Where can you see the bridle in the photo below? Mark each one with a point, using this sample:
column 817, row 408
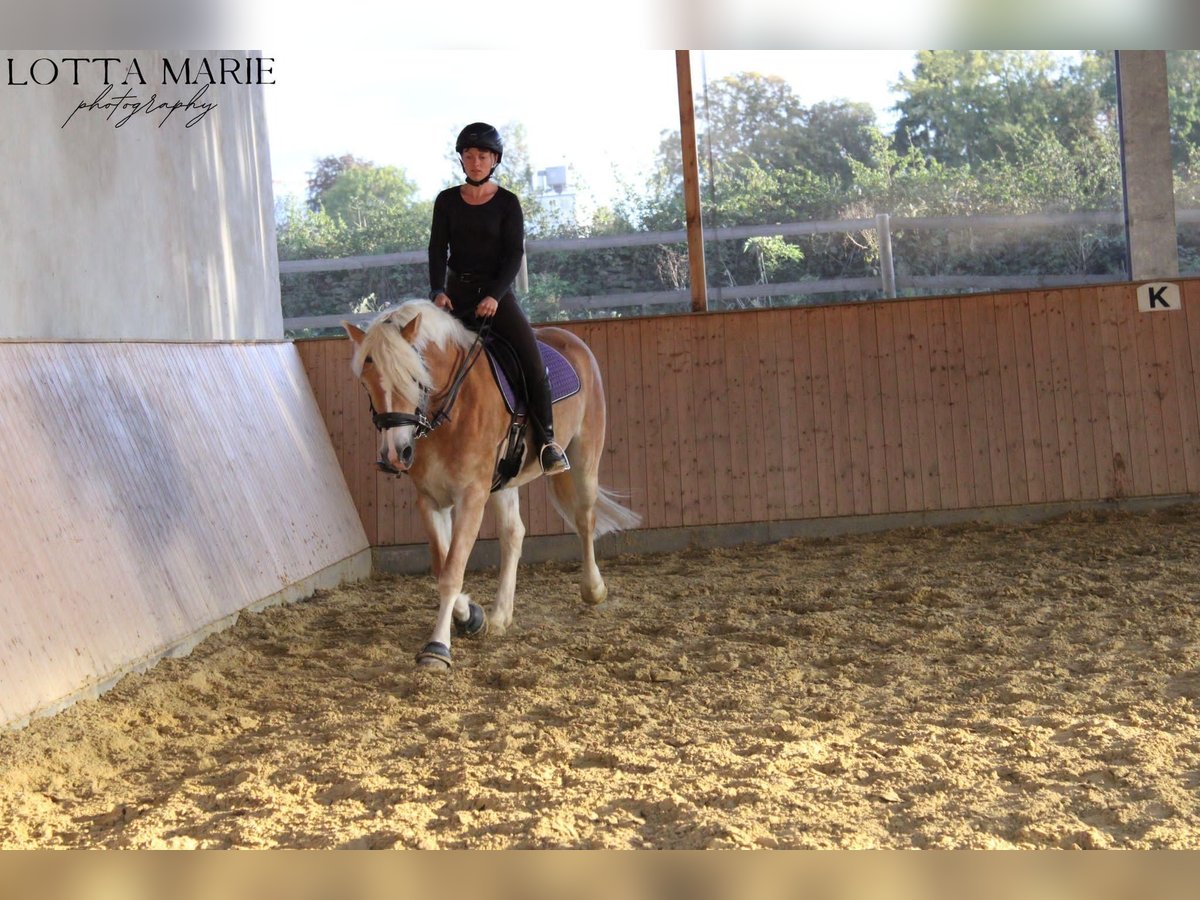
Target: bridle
column 418, row 419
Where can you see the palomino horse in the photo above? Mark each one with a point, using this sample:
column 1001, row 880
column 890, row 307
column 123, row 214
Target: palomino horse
column 416, row 361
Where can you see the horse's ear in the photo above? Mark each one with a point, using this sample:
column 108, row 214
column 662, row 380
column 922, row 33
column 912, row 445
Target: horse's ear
column 409, row 331
column 355, row 333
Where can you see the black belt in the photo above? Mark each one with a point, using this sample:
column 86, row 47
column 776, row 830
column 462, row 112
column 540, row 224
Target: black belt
column 469, row 277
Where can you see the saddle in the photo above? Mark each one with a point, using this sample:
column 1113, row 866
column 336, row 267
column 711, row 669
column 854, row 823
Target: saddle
column 564, row 383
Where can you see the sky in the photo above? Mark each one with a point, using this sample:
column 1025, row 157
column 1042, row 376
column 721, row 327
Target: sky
column 393, row 82
column 601, row 111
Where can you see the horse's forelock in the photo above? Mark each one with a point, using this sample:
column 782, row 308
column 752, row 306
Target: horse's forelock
column 401, row 364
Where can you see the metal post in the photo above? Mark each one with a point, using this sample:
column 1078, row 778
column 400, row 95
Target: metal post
column 887, row 272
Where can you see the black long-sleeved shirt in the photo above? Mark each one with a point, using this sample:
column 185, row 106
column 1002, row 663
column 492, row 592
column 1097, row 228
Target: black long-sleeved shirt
column 486, row 240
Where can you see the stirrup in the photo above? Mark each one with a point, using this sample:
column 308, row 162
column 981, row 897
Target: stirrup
column 553, row 459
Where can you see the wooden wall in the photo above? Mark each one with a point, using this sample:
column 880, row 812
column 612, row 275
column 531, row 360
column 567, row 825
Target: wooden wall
column 151, row 492
column 906, row 406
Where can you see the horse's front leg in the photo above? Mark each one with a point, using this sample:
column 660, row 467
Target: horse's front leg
column 437, row 527
column 452, row 603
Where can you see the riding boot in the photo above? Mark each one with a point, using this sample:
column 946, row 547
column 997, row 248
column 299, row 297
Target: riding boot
column 551, row 456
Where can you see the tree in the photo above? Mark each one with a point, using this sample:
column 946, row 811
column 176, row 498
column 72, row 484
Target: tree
column 963, row 107
column 753, row 120
column 326, row 172
column 1183, row 104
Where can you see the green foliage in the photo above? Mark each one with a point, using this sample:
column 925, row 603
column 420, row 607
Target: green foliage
column 326, row 172
column 965, row 107
column 542, row 301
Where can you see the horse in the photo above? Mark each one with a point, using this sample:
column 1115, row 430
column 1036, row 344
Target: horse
column 442, row 421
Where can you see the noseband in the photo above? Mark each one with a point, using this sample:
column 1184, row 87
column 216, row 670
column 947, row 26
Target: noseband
column 398, row 419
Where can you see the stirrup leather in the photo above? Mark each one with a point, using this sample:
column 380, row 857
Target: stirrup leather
column 553, row 460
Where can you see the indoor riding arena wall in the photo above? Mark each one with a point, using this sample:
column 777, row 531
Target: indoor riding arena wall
column 757, row 425
column 152, row 492
column 164, row 463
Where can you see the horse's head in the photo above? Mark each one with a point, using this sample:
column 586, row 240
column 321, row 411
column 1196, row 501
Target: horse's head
column 394, row 374
column 390, row 361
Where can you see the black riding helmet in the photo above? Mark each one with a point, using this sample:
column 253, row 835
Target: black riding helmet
column 482, row 136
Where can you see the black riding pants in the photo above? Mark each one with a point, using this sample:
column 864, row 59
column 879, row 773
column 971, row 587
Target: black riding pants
column 510, row 325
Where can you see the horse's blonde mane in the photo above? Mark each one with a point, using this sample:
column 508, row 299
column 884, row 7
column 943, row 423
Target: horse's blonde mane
column 401, row 365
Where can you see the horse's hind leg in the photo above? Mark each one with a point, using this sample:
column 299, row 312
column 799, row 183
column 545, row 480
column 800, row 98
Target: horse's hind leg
column 575, row 492
column 511, row 531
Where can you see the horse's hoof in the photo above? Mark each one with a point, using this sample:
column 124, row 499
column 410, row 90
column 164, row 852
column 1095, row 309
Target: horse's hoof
column 476, row 624
column 594, row 598
column 434, row 655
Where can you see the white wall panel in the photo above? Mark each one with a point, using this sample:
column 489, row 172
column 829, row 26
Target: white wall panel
column 152, row 491
column 142, row 231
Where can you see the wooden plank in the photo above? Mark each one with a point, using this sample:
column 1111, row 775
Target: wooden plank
column 652, row 376
column 976, row 332
column 681, row 335
column 856, row 403
column 789, row 425
column 1186, row 381
column 699, row 489
column 906, row 393
column 768, row 323
column 826, row 471
column 1027, row 391
column 926, row 430
column 1047, row 415
column 1119, row 472
column 942, row 398
column 1132, row 389
column 671, row 357
column 1167, row 391
column 993, row 396
column 839, row 414
column 956, row 368
column 890, row 399
column 1007, row 362
column 1060, row 375
column 1080, row 401
column 639, row 466
column 754, row 387
column 718, row 402
column 1153, row 391
column 1097, row 401
column 876, row 472
column 734, row 347
column 804, row 323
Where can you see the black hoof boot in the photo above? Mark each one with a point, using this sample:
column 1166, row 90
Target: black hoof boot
column 476, row 624
column 434, row 655
column 553, row 459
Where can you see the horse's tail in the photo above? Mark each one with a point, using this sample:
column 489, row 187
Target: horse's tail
column 611, row 516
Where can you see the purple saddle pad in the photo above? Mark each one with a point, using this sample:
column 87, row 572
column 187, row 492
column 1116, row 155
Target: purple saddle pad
column 564, row 380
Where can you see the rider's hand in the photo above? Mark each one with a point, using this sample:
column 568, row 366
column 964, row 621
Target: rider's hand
column 442, row 301
column 487, row 308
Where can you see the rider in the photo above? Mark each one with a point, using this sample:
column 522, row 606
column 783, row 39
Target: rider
column 476, row 243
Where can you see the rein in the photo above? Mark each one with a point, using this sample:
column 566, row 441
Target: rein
column 418, row 419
